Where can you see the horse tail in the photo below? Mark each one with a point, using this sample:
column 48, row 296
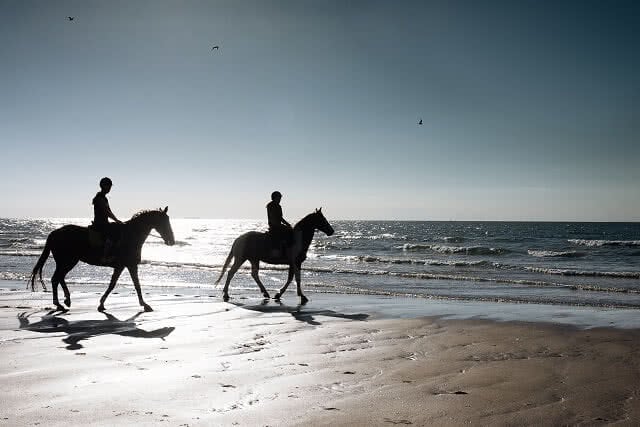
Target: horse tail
column 226, row 264
column 37, row 270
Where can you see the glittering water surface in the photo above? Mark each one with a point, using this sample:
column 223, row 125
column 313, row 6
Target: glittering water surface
column 592, row 264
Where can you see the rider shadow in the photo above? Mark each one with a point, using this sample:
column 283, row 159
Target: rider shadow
column 300, row 312
column 80, row 330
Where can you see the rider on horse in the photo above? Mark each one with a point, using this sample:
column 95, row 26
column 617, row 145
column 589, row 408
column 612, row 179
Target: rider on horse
column 280, row 230
column 101, row 214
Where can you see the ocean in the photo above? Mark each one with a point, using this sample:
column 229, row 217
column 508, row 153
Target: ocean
column 567, row 264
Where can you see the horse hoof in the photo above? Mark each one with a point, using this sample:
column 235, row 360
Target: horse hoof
column 266, row 295
column 303, row 300
column 60, row 308
column 101, row 308
column 67, row 302
column 277, row 296
column 225, row 297
column 147, row 308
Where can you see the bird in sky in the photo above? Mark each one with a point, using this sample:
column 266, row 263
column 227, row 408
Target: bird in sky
column 420, row 122
column 215, row 48
column 71, row 18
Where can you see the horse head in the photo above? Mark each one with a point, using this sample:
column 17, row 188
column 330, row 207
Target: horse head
column 163, row 226
column 321, row 223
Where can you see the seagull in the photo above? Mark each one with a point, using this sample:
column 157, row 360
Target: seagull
column 420, row 122
column 215, row 47
column 70, row 18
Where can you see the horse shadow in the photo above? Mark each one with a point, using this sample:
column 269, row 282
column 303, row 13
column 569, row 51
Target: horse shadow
column 300, row 312
column 80, row 330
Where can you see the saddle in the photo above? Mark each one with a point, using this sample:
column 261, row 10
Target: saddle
column 96, row 238
column 279, row 242
column 103, row 241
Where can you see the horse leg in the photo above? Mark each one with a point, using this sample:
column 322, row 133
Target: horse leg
column 114, row 278
column 133, row 271
column 63, row 266
column 286, row 285
column 67, row 295
column 255, row 267
column 55, row 280
column 303, row 299
column 66, row 269
column 232, row 271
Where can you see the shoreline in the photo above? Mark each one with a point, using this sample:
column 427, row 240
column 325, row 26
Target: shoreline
column 375, row 305
column 196, row 360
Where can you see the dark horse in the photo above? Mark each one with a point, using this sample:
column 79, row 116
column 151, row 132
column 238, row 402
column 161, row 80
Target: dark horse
column 255, row 247
column 71, row 243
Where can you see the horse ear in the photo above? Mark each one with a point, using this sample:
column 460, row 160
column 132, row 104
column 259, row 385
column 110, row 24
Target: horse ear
column 166, row 208
column 320, row 210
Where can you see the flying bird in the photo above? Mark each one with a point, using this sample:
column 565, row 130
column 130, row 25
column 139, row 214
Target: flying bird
column 420, row 122
column 215, row 48
column 71, row 18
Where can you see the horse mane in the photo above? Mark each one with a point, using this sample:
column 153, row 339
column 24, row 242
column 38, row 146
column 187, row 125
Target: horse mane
column 143, row 212
column 304, row 220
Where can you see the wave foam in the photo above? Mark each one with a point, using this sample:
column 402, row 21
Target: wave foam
column 555, row 254
column 443, row 249
column 453, row 239
column 599, row 243
column 468, row 250
column 562, row 272
column 9, row 275
column 19, row 253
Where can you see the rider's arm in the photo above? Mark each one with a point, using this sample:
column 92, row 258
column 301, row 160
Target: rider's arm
column 111, row 215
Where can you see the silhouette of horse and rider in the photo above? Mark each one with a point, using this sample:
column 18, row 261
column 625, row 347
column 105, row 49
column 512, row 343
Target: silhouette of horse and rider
column 280, row 245
column 111, row 244
column 118, row 245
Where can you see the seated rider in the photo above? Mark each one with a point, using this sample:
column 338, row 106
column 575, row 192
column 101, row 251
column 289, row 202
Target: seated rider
column 101, row 214
column 279, row 228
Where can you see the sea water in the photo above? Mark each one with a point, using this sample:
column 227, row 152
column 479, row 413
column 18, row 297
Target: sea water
column 566, row 264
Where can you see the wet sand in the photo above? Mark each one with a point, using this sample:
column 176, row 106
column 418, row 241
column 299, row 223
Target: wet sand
column 198, row 361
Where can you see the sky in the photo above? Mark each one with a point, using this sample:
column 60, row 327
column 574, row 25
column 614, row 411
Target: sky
column 530, row 109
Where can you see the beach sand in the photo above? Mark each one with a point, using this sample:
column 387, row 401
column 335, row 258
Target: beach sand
column 198, row 361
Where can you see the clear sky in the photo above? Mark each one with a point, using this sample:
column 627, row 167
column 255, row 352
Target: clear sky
column 531, row 109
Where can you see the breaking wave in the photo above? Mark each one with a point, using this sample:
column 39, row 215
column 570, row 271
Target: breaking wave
column 599, row 243
column 555, row 254
column 562, row 272
column 463, row 250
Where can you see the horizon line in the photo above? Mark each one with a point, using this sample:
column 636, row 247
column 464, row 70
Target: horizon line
column 354, row 219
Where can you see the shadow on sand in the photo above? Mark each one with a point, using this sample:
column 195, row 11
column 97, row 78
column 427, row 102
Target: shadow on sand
column 80, row 330
column 300, row 312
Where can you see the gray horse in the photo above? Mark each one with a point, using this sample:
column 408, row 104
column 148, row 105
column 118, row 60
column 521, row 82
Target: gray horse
column 256, row 246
